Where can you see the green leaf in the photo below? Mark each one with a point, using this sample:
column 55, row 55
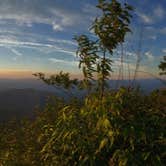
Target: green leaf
column 103, row 143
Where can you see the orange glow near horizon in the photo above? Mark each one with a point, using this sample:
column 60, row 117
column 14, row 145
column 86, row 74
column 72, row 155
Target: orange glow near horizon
column 21, row 74
column 14, row 74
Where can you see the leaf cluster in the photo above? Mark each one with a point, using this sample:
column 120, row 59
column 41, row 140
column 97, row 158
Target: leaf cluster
column 60, row 79
column 112, row 26
column 162, row 66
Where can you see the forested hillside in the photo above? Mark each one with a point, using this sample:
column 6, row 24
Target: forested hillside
column 21, row 103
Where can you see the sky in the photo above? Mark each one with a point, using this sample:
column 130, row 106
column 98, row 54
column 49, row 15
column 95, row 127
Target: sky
column 37, row 36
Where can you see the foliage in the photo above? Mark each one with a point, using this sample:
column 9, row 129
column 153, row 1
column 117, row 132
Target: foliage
column 87, row 51
column 61, row 79
column 110, row 29
column 109, row 131
column 162, row 66
column 125, row 128
column 112, row 26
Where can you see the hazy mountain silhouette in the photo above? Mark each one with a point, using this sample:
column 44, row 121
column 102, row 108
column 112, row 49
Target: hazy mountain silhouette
column 18, row 103
column 18, row 98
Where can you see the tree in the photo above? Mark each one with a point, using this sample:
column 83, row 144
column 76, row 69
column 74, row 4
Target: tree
column 110, row 30
column 162, row 66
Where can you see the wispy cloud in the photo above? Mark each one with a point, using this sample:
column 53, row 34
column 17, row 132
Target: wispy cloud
column 155, row 15
column 53, row 13
column 153, row 37
column 55, row 60
column 145, row 18
column 149, row 56
column 57, row 27
column 62, row 41
column 17, row 53
column 164, row 51
column 159, row 12
column 16, row 43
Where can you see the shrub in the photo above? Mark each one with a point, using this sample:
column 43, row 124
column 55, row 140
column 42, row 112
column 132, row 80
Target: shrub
column 122, row 129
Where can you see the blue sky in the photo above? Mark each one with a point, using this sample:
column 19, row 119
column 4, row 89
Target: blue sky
column 37, row 35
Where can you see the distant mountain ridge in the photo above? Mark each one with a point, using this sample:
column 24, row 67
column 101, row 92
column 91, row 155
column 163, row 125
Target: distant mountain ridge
column 18, row 98
column 145, row 84
column 20, row 103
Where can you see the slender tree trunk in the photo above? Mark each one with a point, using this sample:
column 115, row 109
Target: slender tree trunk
column 103, row 76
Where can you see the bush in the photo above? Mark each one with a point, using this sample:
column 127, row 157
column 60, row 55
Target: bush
column 122, row 129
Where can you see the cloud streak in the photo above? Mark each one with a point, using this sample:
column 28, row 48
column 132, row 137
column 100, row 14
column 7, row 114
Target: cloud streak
column 156, row 15
column 60, row 16
column 164, row 51
column 145, row 18
column 55, row 60
column 16, row 43
column 17, row 53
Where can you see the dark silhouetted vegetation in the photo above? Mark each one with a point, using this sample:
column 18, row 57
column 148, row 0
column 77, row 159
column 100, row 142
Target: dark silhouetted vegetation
column 162, row 66
column 125, row 128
